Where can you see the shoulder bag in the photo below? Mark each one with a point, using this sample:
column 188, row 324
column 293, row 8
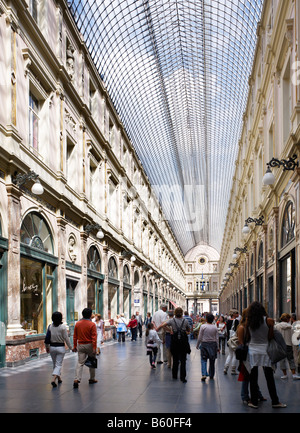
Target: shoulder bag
column 241, row 352
column 48, row 336
column 277, row 349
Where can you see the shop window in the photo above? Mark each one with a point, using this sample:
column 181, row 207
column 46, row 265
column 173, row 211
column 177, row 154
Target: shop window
column 35, row 232
column 93, row 259
column 36, row 295
column 136, row 278
column 112, row 268
column 288, row 224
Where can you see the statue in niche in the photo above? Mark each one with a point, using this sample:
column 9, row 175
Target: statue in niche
column 72, row 248
column 70, row 60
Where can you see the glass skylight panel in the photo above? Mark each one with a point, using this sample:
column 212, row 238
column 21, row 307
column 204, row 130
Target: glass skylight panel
column 177, row 72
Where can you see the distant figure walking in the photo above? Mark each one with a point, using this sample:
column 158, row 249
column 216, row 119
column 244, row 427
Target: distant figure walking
column 56, row 345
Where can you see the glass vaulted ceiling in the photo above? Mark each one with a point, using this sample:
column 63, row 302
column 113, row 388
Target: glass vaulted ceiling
column 177, row 72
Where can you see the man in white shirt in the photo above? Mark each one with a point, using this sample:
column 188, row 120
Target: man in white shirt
column 158, row 318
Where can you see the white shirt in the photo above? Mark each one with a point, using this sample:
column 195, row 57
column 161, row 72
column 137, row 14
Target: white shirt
column 159, row 317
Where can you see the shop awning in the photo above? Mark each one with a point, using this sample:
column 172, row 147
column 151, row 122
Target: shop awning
column 173, row 303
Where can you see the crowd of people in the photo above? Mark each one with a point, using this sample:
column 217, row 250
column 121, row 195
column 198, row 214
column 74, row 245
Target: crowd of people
column 167, row 341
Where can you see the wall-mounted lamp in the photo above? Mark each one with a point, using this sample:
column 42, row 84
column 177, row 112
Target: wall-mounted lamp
column 258, row 222
column 91, row 227
column 238, row 250
column 127, row 254
column 288, row 164
column 20, row 179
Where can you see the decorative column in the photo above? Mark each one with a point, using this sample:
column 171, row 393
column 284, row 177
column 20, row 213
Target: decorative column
column 276, row 264
column 296, row 180
column 61, row 268
column 14, row 328
column 83, row 285
column 105, row 282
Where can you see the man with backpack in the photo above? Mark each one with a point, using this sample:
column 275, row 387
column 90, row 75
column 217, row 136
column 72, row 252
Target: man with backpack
column 179, row 342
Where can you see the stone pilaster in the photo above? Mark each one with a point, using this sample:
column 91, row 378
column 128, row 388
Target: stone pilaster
column 61, row 268
column 14, row 328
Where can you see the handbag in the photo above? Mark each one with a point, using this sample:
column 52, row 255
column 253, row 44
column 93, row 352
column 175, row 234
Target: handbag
column 91, row 362
column 48, row 336
column 233, row 342
column 241, row 352
column 277, row 350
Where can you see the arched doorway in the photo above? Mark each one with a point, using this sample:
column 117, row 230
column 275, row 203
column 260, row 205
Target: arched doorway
column 113, row 288
column 126, row 292
column 38, row 291
column 95, row 281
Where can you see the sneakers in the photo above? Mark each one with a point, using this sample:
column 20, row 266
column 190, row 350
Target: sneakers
column 225, row 370
column 203, row 378
column 234, row 372
column 296, row 377
column 279, row 405
column 284, row 376
column 254, row 406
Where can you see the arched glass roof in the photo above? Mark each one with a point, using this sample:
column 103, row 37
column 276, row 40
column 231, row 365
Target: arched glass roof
column 177, row 72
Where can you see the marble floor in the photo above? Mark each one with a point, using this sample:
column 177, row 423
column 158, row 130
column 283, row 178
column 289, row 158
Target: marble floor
column 126, row 384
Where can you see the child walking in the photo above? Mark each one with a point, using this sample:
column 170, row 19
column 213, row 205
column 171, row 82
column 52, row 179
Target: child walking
column 151, row 341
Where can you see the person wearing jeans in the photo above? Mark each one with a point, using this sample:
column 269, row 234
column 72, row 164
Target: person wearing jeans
column 209, row 340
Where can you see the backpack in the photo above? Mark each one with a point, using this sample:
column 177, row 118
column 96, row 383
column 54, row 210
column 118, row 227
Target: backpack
column 179, row 339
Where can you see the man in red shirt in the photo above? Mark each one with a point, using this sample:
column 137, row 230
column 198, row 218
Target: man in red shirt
column 85, row 343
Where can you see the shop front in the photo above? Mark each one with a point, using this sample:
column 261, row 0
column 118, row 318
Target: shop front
column 127, row 290
column 38, row 280
column 94, row 281
column 3, row 297
column 287, row 261
column 113, row 290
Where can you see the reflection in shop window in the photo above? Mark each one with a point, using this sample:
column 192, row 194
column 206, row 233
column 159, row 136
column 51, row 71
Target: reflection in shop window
column 35, row 302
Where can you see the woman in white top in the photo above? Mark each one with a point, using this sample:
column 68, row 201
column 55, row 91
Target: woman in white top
column 259, row 327
column 151, row 341
column 99, row 322
column 56, row 345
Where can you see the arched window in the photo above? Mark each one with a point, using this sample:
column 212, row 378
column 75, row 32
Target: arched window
column 260, row 260
column 126, row 275
column 136, row 278
column 144, row 283
column 288, row 224
column 93, row 259
column 112, row 268
column 151, row 286
column 36, row 233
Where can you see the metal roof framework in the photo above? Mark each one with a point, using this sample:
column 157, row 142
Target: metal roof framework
column 177, row 73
